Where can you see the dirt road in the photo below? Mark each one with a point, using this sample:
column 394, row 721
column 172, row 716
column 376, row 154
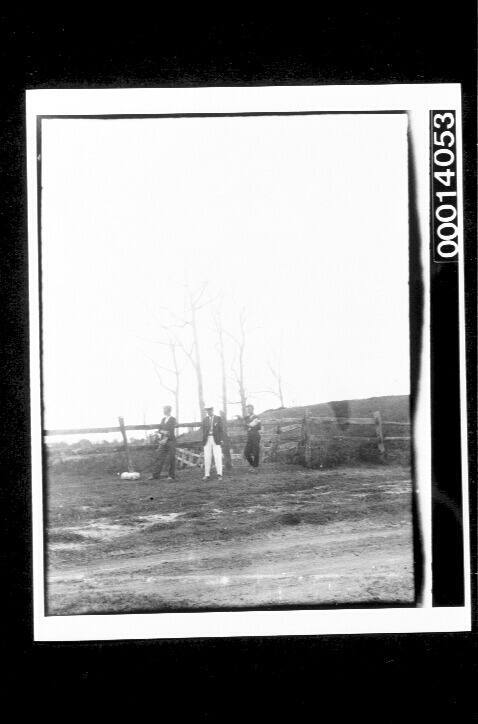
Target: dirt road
column 284, row 536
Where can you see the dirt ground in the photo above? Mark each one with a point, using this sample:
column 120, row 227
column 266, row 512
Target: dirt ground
column 281, row 536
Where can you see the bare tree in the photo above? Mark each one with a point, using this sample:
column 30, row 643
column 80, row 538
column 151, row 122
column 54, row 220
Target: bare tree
column 195, row 301
column 220, row 335
column 194, row 306
column 275, row 367
column 174, row 370
column 277, row 375
column 238, row 369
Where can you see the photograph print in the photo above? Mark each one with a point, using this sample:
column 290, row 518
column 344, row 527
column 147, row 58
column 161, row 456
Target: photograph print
column 224, row 316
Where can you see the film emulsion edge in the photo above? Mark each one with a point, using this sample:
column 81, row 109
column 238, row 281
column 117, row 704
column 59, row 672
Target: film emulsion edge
column 447, row 504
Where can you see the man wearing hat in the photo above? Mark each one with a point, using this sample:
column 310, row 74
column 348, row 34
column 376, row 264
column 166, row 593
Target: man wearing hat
column 253, row 443
column 167, row 446
column 212, row 440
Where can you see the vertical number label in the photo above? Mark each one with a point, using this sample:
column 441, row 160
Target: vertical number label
column 443, row 186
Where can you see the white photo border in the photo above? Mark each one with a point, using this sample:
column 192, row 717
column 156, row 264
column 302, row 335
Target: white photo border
column 417, row 101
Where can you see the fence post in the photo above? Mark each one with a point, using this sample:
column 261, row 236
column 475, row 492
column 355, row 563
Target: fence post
column 262, row 450
column 226, row 447
column 275, row 443
column 307, row 440
column 379, row 432
column 126, row 446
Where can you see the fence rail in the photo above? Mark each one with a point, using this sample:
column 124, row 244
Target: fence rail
column 286, row 422
column 114, row 428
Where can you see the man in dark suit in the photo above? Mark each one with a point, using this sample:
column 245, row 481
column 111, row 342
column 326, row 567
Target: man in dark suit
column 253, row 443
column 167, row 445
column 212, row 441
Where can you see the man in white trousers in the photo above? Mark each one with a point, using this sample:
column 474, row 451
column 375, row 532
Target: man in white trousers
column 212, row 441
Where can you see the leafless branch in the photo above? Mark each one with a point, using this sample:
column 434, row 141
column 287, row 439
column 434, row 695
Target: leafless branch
column 235, row 373
column 179, row 320
column 156, row 368
column 195, row 297
column 162, row 383
column 277, row 374
column 179, row 343
column 271, row 368
column 165, row 369
column 232, row 336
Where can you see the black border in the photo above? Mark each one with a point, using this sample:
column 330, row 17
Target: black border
column 361, row 43
column 446, row 434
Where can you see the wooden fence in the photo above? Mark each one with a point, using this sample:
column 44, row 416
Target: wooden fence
column 311, row 439
column 189, row 459
column 285, row 436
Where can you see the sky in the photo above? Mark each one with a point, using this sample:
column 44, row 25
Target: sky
column 300, row 221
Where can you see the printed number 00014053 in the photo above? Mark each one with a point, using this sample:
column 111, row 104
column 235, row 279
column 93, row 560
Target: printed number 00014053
column 443, row 186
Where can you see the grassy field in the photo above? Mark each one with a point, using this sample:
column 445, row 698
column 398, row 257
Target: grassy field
column 281, row 536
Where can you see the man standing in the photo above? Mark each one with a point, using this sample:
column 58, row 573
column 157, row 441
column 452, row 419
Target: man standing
column 253, row 443
column 212, row 440
column 167, row 445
